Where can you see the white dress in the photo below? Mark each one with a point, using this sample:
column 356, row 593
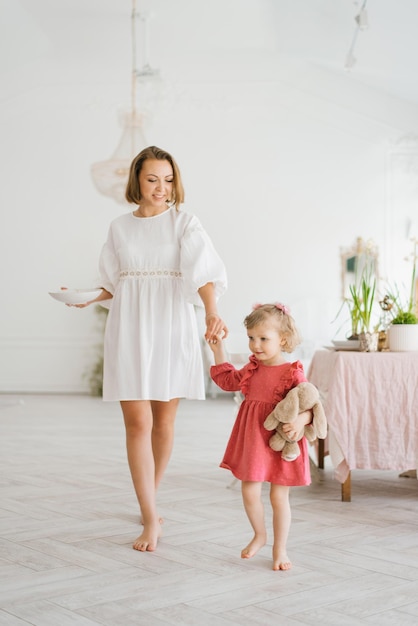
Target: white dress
column 154, row 266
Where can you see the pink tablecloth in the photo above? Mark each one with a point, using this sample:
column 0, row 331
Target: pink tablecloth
column 371, row 403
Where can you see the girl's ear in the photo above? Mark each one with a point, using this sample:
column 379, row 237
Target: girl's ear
column 283, row 340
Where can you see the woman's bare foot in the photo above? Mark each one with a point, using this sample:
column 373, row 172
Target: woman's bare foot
column 147, row 542
column 254, row 546
column 280, row 561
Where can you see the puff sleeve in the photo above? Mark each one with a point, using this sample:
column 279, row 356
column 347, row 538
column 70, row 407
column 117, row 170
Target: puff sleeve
column 200, row 263
column 228, row 378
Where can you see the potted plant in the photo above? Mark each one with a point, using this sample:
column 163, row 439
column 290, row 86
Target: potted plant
column 94, row 374
column 361, row 308
column 403, row 329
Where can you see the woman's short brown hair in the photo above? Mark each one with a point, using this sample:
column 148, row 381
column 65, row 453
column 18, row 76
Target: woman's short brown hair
column 133, row 191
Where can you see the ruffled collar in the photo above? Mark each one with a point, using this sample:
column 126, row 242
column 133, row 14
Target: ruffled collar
column 287, row 379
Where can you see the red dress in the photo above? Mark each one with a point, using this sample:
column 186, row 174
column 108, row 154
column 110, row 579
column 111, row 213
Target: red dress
column 248, row 454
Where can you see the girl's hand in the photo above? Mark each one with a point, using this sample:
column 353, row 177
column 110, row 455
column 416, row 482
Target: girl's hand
column 293, row 429
column 217, row 347
column 216, row 344
column 215, row 328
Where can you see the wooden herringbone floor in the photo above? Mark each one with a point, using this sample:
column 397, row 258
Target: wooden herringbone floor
column 68, row 517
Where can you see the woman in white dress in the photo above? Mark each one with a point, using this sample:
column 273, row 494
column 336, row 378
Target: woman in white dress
column 156, row 264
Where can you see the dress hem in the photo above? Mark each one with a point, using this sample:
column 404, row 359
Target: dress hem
column 133, row 399
column 264, row 480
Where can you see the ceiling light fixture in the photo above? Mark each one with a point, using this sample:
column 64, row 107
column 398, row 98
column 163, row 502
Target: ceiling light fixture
column 362, row 18
column 362, row 23
column 111, row 176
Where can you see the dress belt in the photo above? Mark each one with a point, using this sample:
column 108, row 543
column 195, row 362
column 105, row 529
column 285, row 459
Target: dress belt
column 157, row 273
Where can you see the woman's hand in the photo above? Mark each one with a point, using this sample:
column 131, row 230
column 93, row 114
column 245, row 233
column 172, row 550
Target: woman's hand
column 214, row 324
column 215, row 327
column 81, row 306
column 103, row 295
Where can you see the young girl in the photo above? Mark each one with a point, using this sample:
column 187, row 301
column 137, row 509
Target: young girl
column 264, row 381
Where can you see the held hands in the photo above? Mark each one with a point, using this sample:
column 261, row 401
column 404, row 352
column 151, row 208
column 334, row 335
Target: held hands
column 217, row 347
column 215, row 339
column 216, row 329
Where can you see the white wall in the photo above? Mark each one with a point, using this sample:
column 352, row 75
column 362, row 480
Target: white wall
column 284, row 163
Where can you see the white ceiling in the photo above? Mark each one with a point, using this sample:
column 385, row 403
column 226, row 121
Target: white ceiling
column 313, row 32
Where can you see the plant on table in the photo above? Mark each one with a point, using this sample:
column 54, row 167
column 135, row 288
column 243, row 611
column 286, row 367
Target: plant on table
column 403, row 310
column 361, row 298
column 362, row 302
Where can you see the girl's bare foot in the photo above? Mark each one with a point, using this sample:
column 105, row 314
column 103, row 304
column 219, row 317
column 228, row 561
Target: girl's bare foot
column 280, row 561
column 147, row 542
column 254, row 546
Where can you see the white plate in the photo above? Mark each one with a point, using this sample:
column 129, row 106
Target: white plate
column 348, row 344
column 75, row 296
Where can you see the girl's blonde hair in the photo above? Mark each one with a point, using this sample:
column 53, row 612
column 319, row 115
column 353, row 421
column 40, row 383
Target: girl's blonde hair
column 133, row 190
column 279, row 314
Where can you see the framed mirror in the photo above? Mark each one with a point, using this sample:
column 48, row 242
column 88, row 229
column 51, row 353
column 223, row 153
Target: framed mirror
column 354, row 260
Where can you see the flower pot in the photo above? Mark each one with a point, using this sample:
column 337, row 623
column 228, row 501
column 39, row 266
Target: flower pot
column 368, row 342
column 403, row 337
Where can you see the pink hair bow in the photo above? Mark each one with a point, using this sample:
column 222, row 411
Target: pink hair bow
column 282, row 307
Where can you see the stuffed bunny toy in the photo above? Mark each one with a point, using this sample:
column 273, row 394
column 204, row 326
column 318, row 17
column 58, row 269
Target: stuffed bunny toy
column 303, row 397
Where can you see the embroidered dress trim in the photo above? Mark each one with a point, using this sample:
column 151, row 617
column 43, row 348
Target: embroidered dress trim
column 163, row 273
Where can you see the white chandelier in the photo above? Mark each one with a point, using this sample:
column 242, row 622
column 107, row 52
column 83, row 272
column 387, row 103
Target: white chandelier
column 111, row 176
